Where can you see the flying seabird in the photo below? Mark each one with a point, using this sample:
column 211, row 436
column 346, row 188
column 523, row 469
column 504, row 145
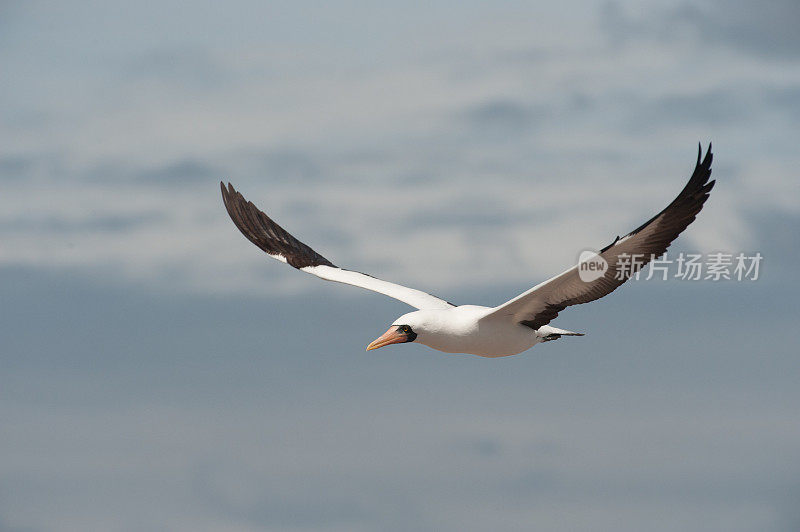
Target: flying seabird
column 509, row 328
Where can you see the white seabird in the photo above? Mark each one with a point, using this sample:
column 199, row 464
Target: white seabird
column 509, row 328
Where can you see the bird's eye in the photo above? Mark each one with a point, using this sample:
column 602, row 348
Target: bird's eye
column 405, row 328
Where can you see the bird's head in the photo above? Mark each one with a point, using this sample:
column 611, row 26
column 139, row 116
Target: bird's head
column 404, row 329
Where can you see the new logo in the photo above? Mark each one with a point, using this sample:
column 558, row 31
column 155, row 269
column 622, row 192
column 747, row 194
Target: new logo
column 591, row 266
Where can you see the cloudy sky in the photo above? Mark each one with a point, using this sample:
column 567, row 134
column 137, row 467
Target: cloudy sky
column 158, row 373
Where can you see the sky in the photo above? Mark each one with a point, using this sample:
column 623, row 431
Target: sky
column 160, row 373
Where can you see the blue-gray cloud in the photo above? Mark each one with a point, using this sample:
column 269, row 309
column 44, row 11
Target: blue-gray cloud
column 499, row 118
column 712, row 109
column 191, row 67
column 180, row 172
column 115, row 223
column 290, row 165
column 768, row 30
column 16, row 167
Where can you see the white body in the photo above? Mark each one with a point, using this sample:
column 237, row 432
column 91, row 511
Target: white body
column 472, row 329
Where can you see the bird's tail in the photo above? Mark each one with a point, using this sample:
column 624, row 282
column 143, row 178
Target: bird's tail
column 552, row 333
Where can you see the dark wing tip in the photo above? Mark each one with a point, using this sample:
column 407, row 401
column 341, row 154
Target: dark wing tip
column 262, row 231
column 709, row 157
column 682, row 211
column 704, row 162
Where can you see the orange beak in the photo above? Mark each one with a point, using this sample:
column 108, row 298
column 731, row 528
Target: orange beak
column 392, row 336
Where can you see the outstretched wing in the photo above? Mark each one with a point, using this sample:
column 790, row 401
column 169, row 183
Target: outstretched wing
column 542, row 303
column 279, row 244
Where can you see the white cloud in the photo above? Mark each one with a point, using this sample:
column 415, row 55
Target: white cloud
column 366, row 150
